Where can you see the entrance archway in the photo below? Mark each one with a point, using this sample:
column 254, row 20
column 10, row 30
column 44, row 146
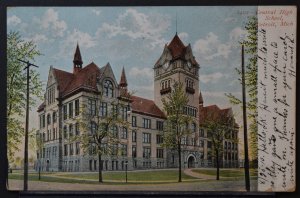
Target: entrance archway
column 191, row 162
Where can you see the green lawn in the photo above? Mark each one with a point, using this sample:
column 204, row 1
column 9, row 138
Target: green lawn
column 226, row 172
column 160, row 176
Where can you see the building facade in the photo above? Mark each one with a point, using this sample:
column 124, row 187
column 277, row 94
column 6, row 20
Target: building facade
column 67, row 94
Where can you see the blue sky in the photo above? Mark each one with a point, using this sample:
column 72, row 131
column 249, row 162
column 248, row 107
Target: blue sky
column 134, row 37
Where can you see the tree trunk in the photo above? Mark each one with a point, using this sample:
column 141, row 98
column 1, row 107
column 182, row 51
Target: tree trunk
column 100, row 168
column 179, row 160
column 218, row 166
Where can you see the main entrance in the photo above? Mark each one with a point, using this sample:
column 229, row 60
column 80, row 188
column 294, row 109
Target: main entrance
column 191, row 162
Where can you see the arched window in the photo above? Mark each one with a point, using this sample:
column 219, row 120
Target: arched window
column 108, row 88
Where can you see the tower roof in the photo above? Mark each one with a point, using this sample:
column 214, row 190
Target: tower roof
column 77, row 56
column 123, row 80
column 200, row 98
column 176, row 47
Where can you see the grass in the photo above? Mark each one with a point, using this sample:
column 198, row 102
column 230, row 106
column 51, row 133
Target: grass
column 226, row 172
column 137, row 177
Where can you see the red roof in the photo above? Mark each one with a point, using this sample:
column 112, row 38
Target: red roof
column 176, row 47
column 146, row 107
column 214, row 113
column 84, row 78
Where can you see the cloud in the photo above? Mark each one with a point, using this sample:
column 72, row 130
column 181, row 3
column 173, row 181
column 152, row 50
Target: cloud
column 230, row 20
column 13, row 20
column 211, row 78
column 237, row 34
column 137, row 25
column 38, row 38
column 84, row 40
column 183, row 36
column 141, row 72
column 50, row 21
column 96, row 11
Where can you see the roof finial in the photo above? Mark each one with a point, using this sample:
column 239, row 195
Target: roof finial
column 176, row 22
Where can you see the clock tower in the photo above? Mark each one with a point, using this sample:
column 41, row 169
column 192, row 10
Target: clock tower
column 177, row 64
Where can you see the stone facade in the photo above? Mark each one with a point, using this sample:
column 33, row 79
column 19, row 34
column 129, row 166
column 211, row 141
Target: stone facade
column 67, row 92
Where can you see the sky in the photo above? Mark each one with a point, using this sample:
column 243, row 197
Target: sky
column 134, row 37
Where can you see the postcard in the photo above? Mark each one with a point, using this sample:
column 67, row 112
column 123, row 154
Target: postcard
column 151, row 98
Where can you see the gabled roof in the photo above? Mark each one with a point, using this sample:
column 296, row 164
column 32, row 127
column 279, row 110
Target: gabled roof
column 146, row 107
column 85, row 78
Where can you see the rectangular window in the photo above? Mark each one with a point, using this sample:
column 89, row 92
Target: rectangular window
column 71, row 149
column 124, row 110
column 183, row 140
column 114, row 111
column 71, row 130
column 91, row 165
column 146, row 138
column 146, row 123
column 65, row 112
column 201, row 143
column 44, row 152
column 134, row 121
column 159, row 139
column 77, row 132
column 159, row 125
column 77, row 148
column 43, row 121
column 133, row 151
column 65, row 150
column 146, row 152
column 134, row 136
column 114, row 149
column 92, row 107
column 103, row 109
column 209, row 133
column 77, row 107
column 71, row 110
column 124, row 149
column 208, row 144
column 201, row 133
column 124, row 133
column 160, row 153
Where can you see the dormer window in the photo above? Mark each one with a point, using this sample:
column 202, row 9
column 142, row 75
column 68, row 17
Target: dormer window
column 108, row 88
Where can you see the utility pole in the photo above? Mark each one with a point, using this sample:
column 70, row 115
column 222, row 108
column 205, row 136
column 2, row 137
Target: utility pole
column 28, row 64
column 246, row 165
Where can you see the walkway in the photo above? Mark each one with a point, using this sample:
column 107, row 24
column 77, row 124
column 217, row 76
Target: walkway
column 198, row 175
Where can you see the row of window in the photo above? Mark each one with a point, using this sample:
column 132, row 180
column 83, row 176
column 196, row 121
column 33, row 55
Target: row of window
column 49, row 152
column 230, row 156
column 229, row 145
column 120, row 110
column 71, row 130
column 191, row 111
column 68, row 109
column 147, row 123
column 70, row 166
column 42, row 119
column 232, row 134
column 69, row 149
column 166, row 84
